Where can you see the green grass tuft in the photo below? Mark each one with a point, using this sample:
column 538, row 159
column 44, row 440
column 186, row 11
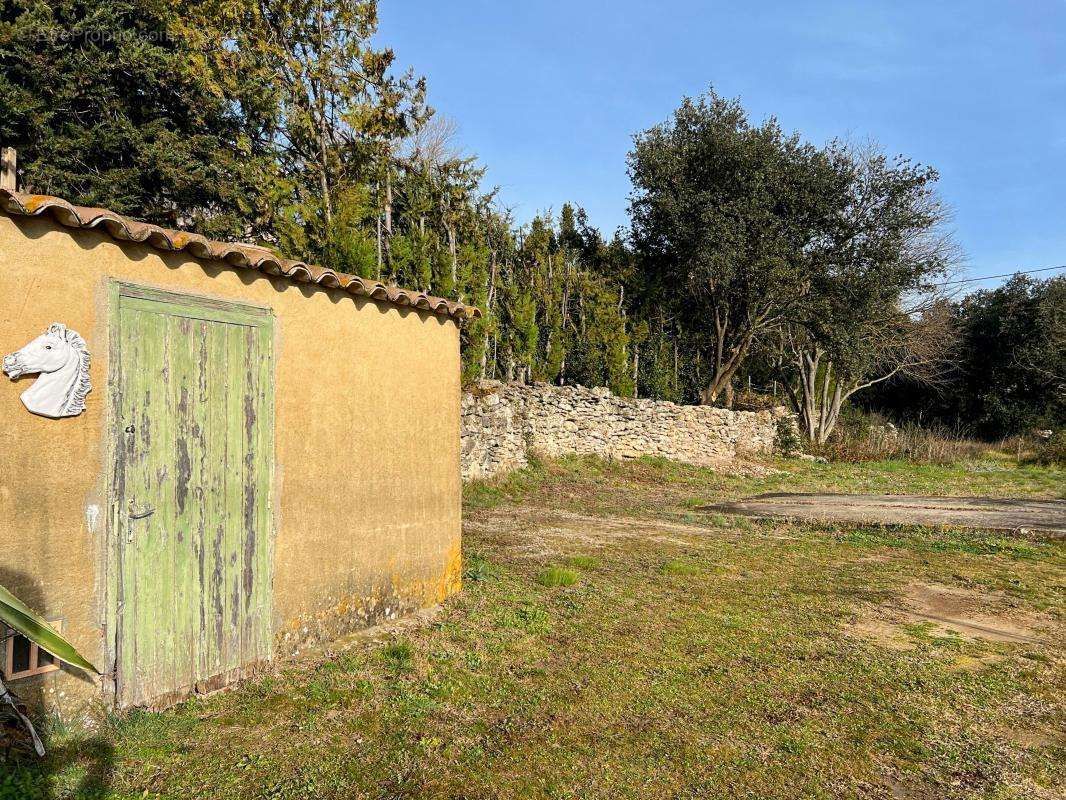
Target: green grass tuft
column 477, row 569
column 556, row 576
column 679, row 566
column 399, row 655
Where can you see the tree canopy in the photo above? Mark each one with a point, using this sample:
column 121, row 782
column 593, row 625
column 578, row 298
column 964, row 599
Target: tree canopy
column 108, row 107
column 1012, row 356
column 724, row 213
column 754, row 257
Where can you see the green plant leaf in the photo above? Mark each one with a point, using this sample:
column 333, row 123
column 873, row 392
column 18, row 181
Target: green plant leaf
column 17, row 616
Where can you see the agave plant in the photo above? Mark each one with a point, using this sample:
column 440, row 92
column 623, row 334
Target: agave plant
column 19, row 618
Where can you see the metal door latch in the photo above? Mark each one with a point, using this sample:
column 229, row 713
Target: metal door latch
column 134, row 515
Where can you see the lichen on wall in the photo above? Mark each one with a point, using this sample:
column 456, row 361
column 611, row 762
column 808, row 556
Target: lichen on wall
column 502, row 424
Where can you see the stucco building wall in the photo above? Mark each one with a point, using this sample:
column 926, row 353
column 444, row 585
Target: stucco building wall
column 367, row 490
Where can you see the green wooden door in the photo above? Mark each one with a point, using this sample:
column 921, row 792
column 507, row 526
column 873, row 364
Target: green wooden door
column 194, row 453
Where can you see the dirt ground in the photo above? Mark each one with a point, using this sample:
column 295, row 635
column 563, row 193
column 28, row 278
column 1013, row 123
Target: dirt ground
column 954, row 612
column 966, row 512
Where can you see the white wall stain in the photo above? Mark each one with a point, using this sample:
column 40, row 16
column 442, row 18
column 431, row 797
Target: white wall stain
column 92, row 516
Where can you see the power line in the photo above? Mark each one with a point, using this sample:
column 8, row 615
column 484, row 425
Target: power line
column 1004, row 275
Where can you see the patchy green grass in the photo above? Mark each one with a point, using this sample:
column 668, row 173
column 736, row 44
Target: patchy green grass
column 583, row 562
column 651, row 485
column 680, row 566
column 696, row 656
column 399, row 655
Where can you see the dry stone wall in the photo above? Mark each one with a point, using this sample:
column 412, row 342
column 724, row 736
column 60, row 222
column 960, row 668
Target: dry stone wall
column 504, row 423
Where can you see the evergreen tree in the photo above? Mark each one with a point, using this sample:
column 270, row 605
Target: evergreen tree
column 1012, row 357
column 109, row 105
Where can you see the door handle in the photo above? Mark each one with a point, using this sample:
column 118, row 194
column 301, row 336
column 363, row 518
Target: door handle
column 146, row 513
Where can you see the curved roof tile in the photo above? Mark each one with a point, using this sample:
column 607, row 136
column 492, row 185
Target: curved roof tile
column 238, row 255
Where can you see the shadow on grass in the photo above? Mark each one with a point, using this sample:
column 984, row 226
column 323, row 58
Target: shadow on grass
column 76, row 765
column 80, row 768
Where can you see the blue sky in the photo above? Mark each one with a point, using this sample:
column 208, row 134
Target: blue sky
column 548, row 94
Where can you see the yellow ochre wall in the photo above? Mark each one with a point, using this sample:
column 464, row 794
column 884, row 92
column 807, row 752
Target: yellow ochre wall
column 367, row 488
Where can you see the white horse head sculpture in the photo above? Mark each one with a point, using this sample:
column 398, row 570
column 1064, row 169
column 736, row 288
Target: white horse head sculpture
column 59, row 355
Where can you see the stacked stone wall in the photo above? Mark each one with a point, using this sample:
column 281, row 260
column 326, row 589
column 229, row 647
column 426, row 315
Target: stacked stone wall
column 503, row 424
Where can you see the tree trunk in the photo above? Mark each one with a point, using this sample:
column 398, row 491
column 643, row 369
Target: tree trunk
column 388, row 196
column 727, row 360
column 721, row 385
column 819, row 397
column 636, row 371
column 378, row 221
column 323, row 131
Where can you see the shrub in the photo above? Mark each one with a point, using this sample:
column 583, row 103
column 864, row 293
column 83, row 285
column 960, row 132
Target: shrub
column 786, row 438
column 1051, row 450
column 870, row 437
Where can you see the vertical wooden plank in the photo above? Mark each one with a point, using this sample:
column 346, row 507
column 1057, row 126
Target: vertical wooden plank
column 234, row 493
column 214, row 549
column 264, row 477
column 140, row 533
column 174, row 460
column 128, row 595
column 194, row 504
column 157, row 560
column 249, row 522
column 206, row 366
column 149, row 376
column 245, row 497
column 254, row 499
column 115, row 459
column 186, row 464
column 160, row 557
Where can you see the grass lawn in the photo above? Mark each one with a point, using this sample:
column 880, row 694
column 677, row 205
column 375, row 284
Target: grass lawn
column 611, row 641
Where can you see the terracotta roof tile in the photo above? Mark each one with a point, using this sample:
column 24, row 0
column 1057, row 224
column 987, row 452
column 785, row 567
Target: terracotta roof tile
column 239, row 255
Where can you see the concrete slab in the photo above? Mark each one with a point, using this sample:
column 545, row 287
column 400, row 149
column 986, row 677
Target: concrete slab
column 986, row 513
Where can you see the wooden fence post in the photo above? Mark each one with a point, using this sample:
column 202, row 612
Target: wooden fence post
column 8, row 161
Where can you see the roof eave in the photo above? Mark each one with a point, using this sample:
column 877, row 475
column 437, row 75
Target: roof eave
column 237, row 255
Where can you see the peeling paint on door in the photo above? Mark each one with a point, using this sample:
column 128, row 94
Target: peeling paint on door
column 195, row 451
